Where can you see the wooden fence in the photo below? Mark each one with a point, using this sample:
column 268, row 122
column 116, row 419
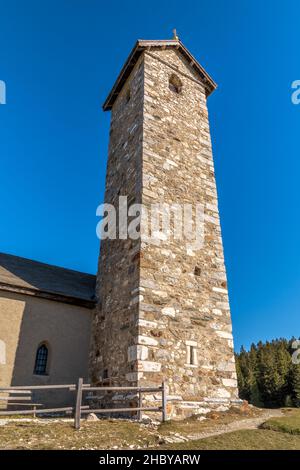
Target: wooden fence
column 24, row 395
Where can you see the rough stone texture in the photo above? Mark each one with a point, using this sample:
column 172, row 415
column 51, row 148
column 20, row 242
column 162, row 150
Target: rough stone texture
column 115, row 328
column 161, row 303
column 28, row 277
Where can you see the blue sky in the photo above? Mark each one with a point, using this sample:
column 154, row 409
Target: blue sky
column 59, row 59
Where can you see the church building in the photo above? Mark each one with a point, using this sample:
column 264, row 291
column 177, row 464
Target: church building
column 158, row 311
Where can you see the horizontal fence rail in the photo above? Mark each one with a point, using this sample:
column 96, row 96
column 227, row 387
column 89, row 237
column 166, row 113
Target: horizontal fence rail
column 36, row 387
column 24, row 395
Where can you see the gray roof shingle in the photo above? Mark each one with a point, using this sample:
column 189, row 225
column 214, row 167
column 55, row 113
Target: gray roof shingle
column 44, row 280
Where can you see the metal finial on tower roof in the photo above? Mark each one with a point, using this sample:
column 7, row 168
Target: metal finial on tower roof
column 175, row 37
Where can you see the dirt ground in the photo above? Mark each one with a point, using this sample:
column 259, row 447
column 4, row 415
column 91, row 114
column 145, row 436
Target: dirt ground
column 123, row 434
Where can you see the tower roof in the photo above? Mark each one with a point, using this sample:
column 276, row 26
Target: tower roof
column 143, row 45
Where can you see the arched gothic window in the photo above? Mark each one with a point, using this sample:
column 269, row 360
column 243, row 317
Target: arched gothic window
column 41, row 360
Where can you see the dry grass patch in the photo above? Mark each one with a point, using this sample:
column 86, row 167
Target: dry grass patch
column 213, row 420
column 112, row 433
column 255, row 439
column 290, row 423
column 104, row 434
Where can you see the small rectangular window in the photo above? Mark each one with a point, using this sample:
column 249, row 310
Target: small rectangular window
column 191, row 353
column 197, row 271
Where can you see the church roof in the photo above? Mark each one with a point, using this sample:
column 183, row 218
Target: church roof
column 28, row 277
column 142, row 45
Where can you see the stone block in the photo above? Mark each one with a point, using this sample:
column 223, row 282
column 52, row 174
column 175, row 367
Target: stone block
column 137, row 352
column 169, row 311
column 146, row 340
column 149, row 366
column 229, row 382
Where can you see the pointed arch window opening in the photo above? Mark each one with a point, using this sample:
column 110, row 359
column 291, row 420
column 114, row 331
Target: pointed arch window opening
column 41, row 360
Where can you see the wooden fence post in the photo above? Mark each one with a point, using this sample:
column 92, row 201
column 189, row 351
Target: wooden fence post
column 140, row 404
column 77, row 414
column 164, row 401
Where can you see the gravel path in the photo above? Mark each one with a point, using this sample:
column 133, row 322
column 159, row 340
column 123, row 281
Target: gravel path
column 248, row 423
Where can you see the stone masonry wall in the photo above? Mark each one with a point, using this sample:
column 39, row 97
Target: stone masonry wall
column 115, row 323
column 185, row 299
column 163, row 310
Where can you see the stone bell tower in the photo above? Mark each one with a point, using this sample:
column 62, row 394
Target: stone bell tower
column 163, row 310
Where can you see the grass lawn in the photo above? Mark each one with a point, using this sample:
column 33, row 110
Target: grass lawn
column 279, row 433
column 254, row 439
column 289, row 424
column 104, row 434
column 275, row 434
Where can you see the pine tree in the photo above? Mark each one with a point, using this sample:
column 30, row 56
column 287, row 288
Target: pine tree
column 240, row 376
column 283, row 368
column 255, row 396
column 295, row 380
column 267, row 376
